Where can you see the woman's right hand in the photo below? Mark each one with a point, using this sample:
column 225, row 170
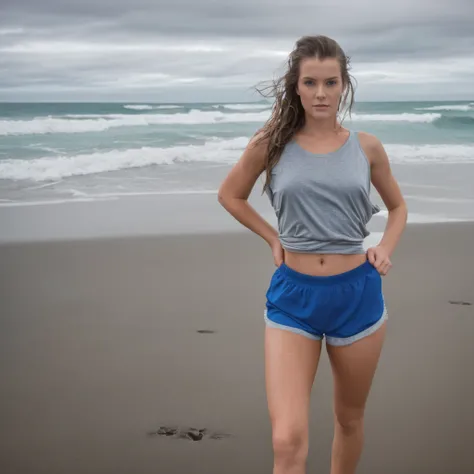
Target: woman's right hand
column 277, row 251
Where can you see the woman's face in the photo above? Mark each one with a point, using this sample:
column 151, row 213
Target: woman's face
column 320, row 87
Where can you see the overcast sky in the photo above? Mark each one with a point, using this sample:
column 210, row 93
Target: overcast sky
column 217, row 50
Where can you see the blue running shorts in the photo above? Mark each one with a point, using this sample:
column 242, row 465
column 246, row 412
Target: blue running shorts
column 343, row 308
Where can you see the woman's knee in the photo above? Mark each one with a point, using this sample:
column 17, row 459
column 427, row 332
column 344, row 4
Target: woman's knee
column 350, row 421
column 290, row 443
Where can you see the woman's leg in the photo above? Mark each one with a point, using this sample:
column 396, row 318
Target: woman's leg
column 291, row 361
column 353, row 369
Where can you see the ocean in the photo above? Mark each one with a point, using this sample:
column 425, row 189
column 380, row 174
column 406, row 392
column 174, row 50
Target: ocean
column 61, row 152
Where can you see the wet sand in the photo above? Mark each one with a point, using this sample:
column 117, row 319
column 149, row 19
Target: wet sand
column 101, row 346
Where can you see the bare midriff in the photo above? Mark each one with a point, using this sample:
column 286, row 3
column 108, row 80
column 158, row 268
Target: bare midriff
column 323, row 264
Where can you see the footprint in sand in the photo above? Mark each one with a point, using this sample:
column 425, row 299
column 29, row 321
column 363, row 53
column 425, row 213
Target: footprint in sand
column 462, row 303
column 189, row 433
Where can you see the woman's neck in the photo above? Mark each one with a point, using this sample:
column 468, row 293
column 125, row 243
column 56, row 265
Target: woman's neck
column 321, row 127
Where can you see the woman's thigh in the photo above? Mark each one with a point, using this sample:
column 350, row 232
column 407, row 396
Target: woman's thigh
column 353, row 368
column 291, row 361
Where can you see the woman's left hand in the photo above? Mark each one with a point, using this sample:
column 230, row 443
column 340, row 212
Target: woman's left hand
column 379, row 258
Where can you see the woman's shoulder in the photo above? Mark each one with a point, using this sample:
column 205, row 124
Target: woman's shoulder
column 258, row 145
column 254, row 156
column 370, row 144
column 368, row 140
column 260, row 140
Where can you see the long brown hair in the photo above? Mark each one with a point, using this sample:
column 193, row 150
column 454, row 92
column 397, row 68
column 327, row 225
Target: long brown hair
column 288, row 115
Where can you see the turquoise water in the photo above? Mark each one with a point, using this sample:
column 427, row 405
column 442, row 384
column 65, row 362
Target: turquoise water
column 76, row 150
column 30, row 131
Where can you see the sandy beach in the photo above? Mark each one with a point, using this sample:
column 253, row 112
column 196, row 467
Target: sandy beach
column 105, row 341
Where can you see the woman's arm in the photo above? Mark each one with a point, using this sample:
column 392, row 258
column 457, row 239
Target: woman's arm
column 237, row 186
column 386, row 185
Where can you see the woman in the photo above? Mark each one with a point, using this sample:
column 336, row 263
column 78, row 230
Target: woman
column 318, row 178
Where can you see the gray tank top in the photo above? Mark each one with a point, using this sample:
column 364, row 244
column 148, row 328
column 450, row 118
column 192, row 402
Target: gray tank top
column 322, row 201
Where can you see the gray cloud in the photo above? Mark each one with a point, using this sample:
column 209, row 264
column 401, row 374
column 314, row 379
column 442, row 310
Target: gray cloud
column 114, row 48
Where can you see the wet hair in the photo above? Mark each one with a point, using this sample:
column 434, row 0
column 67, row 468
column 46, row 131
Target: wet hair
column 288, row 114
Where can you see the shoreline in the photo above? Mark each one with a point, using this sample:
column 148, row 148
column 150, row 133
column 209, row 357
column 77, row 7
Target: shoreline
column 148, row 215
